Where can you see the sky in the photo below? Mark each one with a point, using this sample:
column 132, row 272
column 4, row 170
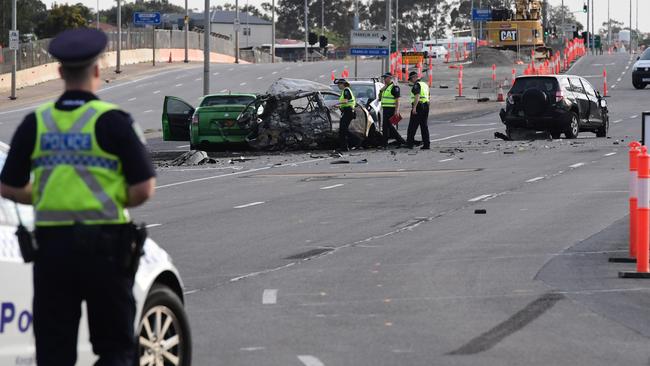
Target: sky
column 620, row 9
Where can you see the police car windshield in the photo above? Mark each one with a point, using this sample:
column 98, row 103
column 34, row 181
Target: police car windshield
column 646, row 55
column 226, row 100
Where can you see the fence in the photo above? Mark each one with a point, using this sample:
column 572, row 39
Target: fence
column 35, row 53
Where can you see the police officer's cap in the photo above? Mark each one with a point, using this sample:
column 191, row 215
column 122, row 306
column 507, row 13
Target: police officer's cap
column 340, row 81
column 78, row 47
column 412, row 74
column 387, row 75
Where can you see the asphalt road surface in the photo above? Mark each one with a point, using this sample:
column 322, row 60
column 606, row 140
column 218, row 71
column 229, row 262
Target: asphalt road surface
column 292, row 260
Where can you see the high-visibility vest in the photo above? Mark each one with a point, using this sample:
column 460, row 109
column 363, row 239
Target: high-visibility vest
column 351, row 102
column 387, row 98
column 424, row 93
column 75, row 180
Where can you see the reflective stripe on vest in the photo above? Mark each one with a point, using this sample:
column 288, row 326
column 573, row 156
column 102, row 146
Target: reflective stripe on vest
column 387, row 98
column 351, row 103
column 70, row 159
column 424, row 93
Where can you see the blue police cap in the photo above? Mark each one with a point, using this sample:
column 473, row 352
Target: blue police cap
column 78, row 47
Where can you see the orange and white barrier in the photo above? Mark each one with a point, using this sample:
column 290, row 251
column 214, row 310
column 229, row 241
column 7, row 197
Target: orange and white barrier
column 460, row 81
column 604, row 81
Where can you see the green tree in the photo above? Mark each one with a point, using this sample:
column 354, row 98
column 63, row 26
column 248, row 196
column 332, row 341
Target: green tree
column 62, row 17
column 110, row 15
column 29, row 14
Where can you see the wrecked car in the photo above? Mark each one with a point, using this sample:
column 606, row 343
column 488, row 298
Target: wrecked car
column 301, row 114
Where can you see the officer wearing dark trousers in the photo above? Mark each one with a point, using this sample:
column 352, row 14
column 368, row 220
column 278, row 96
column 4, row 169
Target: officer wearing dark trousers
column 389, row 96
column 347, row 103
column 419, row 112
column 81, row 162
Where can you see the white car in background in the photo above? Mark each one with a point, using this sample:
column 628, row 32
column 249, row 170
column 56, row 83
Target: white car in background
column 162, row 327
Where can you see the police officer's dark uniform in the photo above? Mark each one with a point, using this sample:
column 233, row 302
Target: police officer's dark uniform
column 347, row 103
column 419, row 112
column 389, row 98
column 83, row 154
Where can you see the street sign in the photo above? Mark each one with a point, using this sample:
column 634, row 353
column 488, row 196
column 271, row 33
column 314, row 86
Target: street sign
column 14, row 40
column 146, row 18
column 369, row 51
column 570, row 28
column 412, row 58
column 481, row 15
column 369, row 38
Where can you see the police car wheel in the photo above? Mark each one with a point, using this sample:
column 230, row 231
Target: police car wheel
column 163, row 333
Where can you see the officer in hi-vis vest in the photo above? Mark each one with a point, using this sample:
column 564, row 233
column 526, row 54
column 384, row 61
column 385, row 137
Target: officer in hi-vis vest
column 419, row 112
column 88, row 163
column 389, row 97
column 347, row 104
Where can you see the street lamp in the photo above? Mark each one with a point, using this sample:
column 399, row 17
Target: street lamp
column 206, row 48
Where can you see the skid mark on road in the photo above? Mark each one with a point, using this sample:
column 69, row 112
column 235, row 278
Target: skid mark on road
column 516, row 322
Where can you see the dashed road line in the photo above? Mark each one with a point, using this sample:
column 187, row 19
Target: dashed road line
column 444, row 160
column 270, row 297
column 274, row 72
column 153, row 225
column 576, row 165
column 618, row 121
column 308, row 360
column 250, row 204
column 534, row 179
column 334, row 186
column 148, row 111
column 177, row 85
column 242, row 84
column 223, row 90
column 322, row 76
column 132, row 99
column 610, row 154
column 230, row 69
column 251, row 349
column 260, row 77
column 215, row 73
column 489, row 152
column 619, row 79
column 182, row 146
column 156, row 92
column 634, row 116
column 198, row 79
column 480, row 198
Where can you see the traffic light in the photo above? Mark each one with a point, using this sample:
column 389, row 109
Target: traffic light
column 312, row 38
column 323, row 41
column 585, row 8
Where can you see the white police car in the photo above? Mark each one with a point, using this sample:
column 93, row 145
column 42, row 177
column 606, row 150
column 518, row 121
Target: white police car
column 641, row 70
column 162, row 328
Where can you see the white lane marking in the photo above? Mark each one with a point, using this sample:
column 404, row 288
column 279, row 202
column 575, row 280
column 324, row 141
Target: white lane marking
column 215, row 74
column 242, row 84
column 576, row 165
column 250, row 204
column 627, row 67
column 190, row 292
column 148, row 111
column 153, row 225
column 634, row 116
column 463, row 134
column 613, row 86
column 479, row 198
column 308, row 360
column 474, row 124
column 618, row 121
column 132, row 99
column 610, row 154
column 444, row 160
column 198, row 79
column 534, row 179
column 177, row 85
column 274, row 72
column 230, row 69
column 156, row 92
column 182, row 146
column 489, row 152
column 180, row 77
column 619, row 79
column 223, row 90
column 322, row 76
column 251, row 349
column 260, row 77
column 334, row 186
column 270, row 296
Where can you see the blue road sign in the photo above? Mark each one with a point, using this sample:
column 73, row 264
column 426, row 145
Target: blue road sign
column 482, row 15
column 146, row 18
column 369, row 51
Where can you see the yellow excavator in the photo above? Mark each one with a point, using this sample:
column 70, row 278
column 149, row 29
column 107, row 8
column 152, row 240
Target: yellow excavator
column 519, row 31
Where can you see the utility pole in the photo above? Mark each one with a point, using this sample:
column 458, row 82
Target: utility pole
column 630, row 27
column 237, row 26
column 186, row 24
column 389, row 28
column 322, row 17
column 119, row 36
column 273, row 32
column 563, row 23
column 593, row 27
column 356, row 27
column 14, row 53
column 609, row 27
column 307, row 31
column 589, row 9
column 97, row 14
column 206, row 48
column 397, row 25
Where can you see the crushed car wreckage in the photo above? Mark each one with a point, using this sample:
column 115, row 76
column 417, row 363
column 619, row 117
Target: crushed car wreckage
column 302, row 114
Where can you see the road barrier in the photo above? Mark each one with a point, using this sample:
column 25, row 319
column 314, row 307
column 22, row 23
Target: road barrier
column 633, row 203
column 642, row 230
column 460, row 81
column 494, row 73
column 514, row 75
column 604, row 81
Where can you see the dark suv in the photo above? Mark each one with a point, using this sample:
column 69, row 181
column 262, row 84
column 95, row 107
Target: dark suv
column 557, row 104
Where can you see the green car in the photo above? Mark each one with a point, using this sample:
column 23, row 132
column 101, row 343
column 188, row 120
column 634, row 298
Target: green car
column 213, row 122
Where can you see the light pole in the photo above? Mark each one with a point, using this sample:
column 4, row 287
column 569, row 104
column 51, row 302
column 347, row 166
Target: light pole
column 14, row 53
column 563, row 22
column 306, row 31
column 186, row 24
column 593, row 27
column 322, row 17
column 396, row 25
column 237, row 26
column 390, row 33
column 273, row 32
column 119, row 36
column 630, row 27
column 588, row 29
column 97, row 14
column 609, row 27
column 206, row 48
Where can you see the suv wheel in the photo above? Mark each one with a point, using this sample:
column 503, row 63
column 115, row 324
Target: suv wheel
column 164, row 331
column 573, row 128
column 602, row 132
column 639, row 85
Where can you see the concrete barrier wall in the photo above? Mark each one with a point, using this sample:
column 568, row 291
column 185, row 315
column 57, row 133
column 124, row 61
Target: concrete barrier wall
column 47, row 72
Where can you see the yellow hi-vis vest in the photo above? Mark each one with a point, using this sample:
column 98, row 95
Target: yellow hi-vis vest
column 387, row 98
column 351, row 103
column 75, row 180
column 424, row 93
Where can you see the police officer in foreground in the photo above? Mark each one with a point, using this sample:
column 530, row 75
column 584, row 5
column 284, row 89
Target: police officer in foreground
column 389, row 97
column 88, row 162
column 419, row 112
column 347, row 104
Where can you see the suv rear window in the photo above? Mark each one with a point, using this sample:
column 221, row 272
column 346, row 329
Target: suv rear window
column 547, row 84
column 226, row 100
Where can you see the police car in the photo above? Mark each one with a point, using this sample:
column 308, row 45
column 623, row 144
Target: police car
column 162, row 328
column 641, row 71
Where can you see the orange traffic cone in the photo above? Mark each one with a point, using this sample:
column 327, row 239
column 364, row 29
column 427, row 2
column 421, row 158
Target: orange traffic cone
column 500, row 97
column 333, row 77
